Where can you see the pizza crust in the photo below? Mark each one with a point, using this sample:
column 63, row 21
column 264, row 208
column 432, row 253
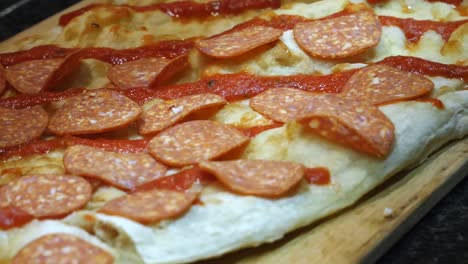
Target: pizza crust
column 201, row 233
column 204, row 231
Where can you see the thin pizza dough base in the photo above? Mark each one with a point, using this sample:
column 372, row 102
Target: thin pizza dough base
column 201, row 233
column 204, row 231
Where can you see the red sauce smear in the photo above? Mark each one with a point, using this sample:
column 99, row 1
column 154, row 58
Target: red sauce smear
column 318, row 176
column 414, row 29
column 178, row 182
column 242, row 85
column 186, row 9
column 36, row 147
column 422, row 66
column 36, row 53
column 166, row 49
column 251, row 132
column 26, row 100
column 11, row 217
column 434, row 101
column 116, row 145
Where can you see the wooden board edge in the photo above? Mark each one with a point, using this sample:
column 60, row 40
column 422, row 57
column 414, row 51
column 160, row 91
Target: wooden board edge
column 458, row 172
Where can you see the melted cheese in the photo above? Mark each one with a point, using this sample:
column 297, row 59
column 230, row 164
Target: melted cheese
column 227, row 221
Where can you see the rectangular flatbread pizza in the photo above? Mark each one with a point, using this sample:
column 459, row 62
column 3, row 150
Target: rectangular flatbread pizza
column 147, row 131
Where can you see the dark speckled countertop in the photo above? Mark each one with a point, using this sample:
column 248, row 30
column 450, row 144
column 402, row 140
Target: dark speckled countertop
column 440, row 237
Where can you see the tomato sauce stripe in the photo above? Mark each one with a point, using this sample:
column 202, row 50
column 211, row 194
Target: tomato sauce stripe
column 185, row 9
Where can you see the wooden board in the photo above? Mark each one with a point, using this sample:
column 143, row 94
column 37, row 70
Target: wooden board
column 360, row 233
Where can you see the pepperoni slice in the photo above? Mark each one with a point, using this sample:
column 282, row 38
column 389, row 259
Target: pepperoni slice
column 61, row 248
column 34, row 76
column 256, row 177
column 19, row 126
column 146, row 72
column 238, row 42
column 94, row 112
column 46, row 195
column 195, row 141
column 378, row 84
column 150, row 206
column 281, row 104
column 2, row 79
column 339, row 37
column 168, row 113
column 349, row 122
column 125, row 171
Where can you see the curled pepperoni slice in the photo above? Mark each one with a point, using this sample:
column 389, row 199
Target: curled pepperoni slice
column 146, row 72
column 94, row 112
column 256, row 177
column 34, row 76
column 281, row 104
column 20, row 126
column 125, row 171
column 238, row 42
column 195, row 141
column 339, row 37
column 61, row 248
column 46, row 195
column 168, row 113
column 378, row 84
column 150, row 206
column 348, row 122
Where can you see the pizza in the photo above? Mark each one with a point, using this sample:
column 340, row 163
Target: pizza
column 145, row 131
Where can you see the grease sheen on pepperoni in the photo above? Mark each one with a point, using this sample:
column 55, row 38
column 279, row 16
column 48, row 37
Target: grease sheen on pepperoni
column 339, row 37
column 195, row 141
column 19, row 126
column 61, row 248
column 46, row 195
column 256, row 177
column 351, row 123
column 94, row 112
column 238, row 42
column 150, row 206
column 378, row 84
column 123, row 170
column 168, row 113
column 146, row 72
column 281, row 104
